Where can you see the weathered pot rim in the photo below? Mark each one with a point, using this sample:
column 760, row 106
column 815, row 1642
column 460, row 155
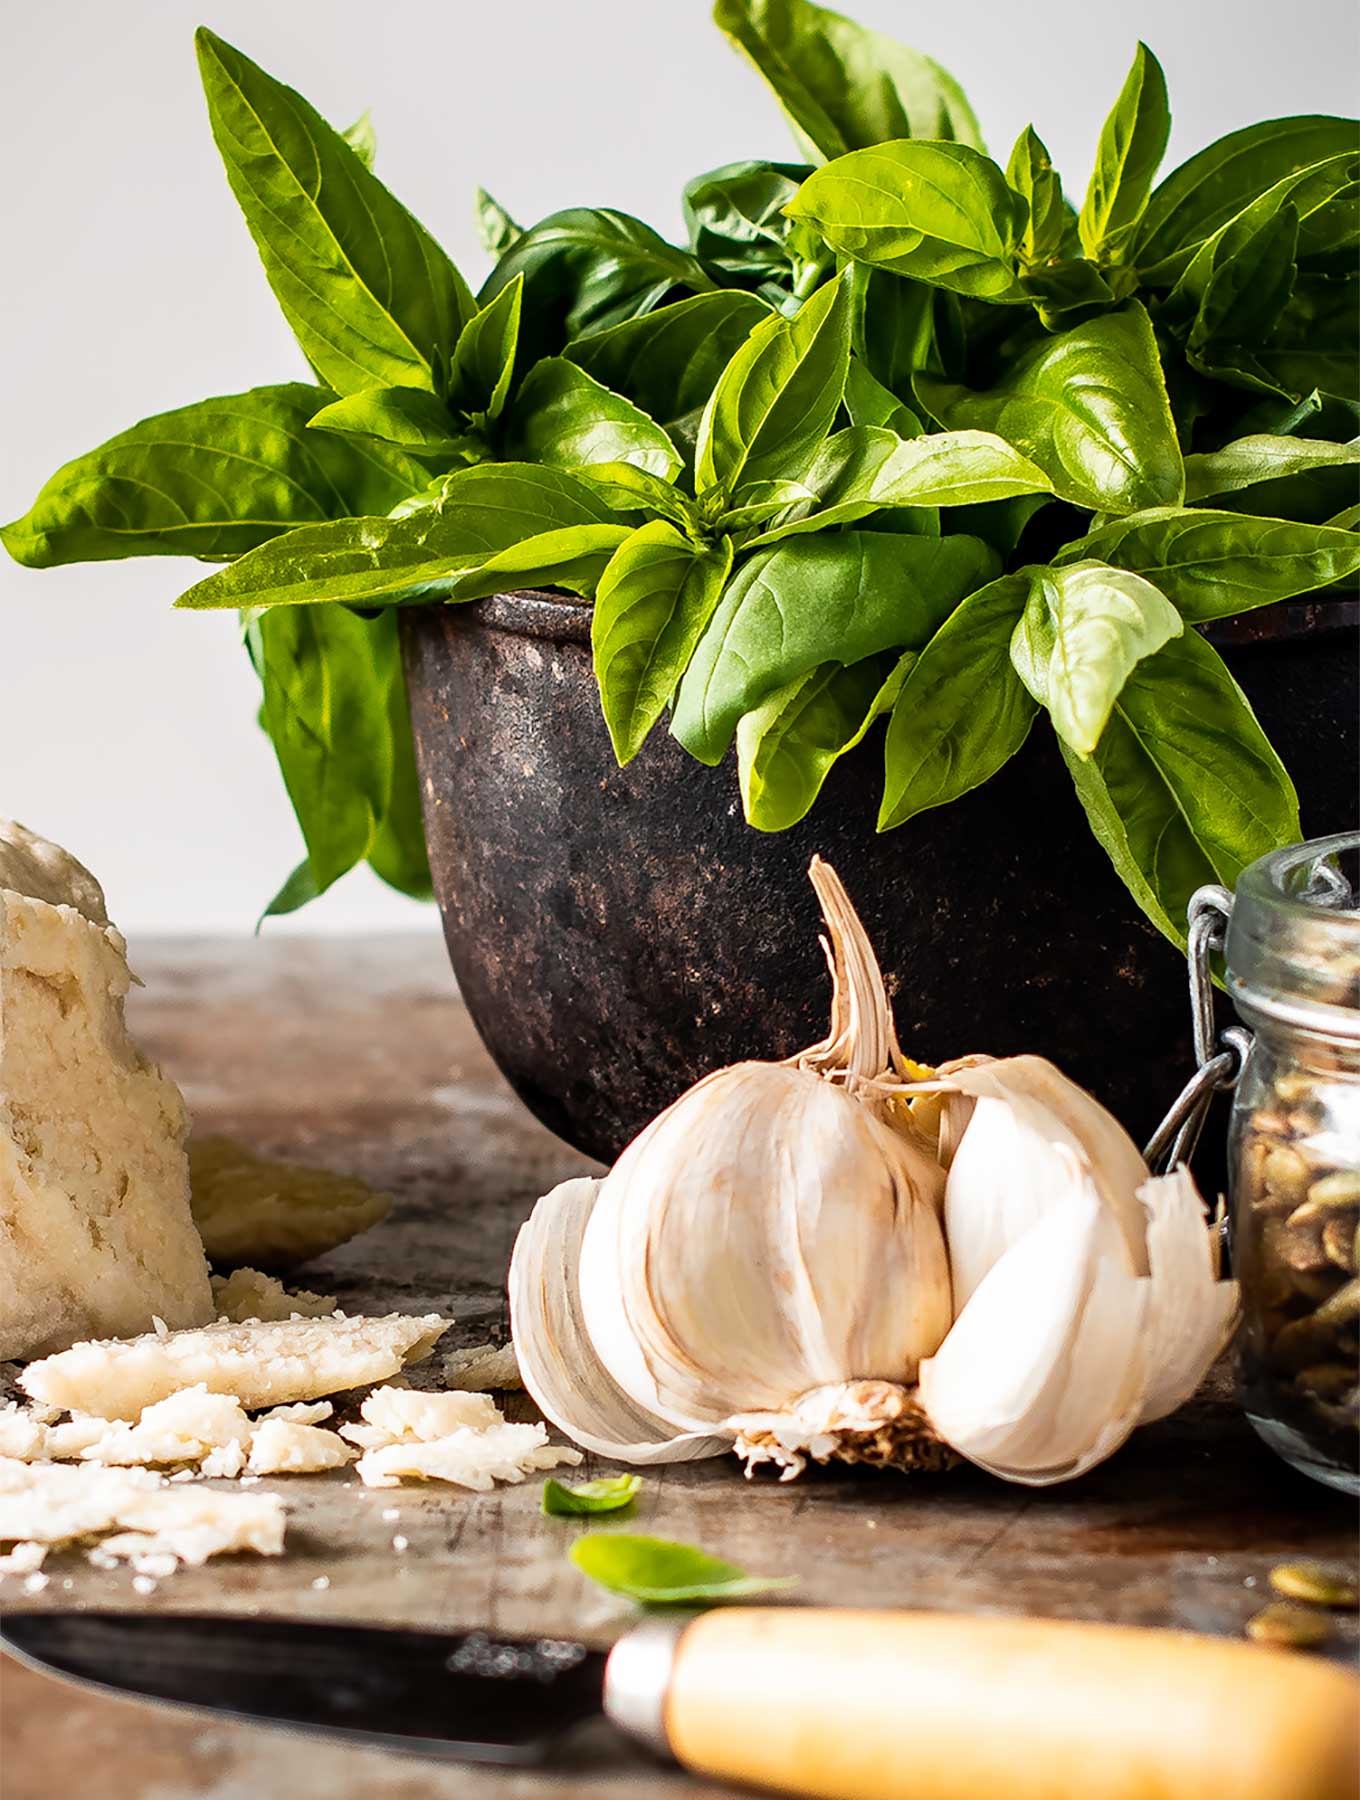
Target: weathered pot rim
column 561, row 618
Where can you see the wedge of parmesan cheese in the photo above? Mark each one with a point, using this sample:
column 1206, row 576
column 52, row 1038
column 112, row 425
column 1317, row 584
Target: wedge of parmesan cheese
column 273, row 1215
column 394, row 1415
column 248, row 1294
column 95, row 1229
column 263, row 1365
column 479, row 1368
column 469, row 1458
column 279, row 1448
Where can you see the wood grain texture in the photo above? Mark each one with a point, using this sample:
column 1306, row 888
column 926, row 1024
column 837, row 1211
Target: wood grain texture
column 357, row 1055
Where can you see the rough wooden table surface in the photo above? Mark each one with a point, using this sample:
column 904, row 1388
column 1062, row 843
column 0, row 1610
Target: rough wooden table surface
column 358, row 1055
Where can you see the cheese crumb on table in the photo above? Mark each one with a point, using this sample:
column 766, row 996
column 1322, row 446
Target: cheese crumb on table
column 394, row 1415
column 273, row 1215
column 248, row 1294
column 481, row 1367
column 471, row 1458
column 95, row 1229
column 278, row 1448
column 267, row 1364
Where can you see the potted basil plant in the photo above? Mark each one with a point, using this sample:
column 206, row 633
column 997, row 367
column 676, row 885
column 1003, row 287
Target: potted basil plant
column 931, row 501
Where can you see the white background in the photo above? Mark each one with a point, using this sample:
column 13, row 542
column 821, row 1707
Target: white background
column 130, row 285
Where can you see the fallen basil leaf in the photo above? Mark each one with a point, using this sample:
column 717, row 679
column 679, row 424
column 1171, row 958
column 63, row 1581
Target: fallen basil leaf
column 832, row 596
column 212, row 480
column 842, row 85
column 661, row 1573
column 611, row 1494
column 962, row 711
column 941, row 213
column 1213, row 564
column 371, row 298
column 1083, row 631
column 1089, row 406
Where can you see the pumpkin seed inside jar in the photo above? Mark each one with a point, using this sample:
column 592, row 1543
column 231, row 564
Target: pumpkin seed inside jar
column 1293, row 958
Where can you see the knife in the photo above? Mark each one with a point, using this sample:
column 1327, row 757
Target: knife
column 811, row 1701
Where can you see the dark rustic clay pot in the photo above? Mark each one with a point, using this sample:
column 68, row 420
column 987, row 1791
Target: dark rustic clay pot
column 617, row 933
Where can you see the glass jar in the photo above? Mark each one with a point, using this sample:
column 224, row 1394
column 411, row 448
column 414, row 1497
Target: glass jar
column 1293, row 972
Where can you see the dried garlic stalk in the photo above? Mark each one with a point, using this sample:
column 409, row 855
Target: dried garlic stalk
column 848, row 1255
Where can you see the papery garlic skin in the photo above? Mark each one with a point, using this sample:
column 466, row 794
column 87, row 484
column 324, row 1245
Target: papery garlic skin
column 743, row 1249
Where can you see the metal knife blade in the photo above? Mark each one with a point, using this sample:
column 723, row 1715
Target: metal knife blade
column 472, row 1696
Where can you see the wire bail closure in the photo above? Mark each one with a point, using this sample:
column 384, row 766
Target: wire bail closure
column 1219, row 1057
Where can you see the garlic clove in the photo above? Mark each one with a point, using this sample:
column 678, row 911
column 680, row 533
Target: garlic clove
column 1044, row 1371
column 1008, row 1164
column 1192, row 1313
column 744, row 1245
column 556, row 1358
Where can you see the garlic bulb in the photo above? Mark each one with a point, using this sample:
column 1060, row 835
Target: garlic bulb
column 848, row 1255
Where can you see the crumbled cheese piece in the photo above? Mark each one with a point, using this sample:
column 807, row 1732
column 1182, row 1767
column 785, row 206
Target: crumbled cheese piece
column 273, row 1215
column 482, row 1367
column 313, row 1412
column 321, row 1582
column 143, row 1584
column 184, row 1427
column 247, row 1294
column 158, row 1566
column 400, row 1543
column 21, row 1435
column 468, row 1458
column 51, row 1503
column 278, row 1448
column 36, row 1582
column 263, row 1365
column 395, row 1415
column 226, row 1462
column 23, row 1559
column 95, row 1229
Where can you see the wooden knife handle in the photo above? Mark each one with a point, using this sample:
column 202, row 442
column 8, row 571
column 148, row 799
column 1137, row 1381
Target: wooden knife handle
column 931, row 1706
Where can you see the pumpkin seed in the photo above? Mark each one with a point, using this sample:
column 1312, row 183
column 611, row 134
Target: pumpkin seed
column 1315, row 1583
column 1288, row 1626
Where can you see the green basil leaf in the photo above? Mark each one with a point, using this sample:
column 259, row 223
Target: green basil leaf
column 497, row 230
column 868, row 402
column 756, row 502
column 735, row 217
column 1089, row 407
column 1203, row 194
column 414, row 419
column 787, row 746
column 897, row 329
column 652, row 605
column 1213, row 564
column 1248, row 287
column 362, row 138
column 962, row 711
column 776, row 399
column 1084, row 630
column 1184, row 787
column 842, row 86
column 565, row 418
column 864, row 469
column 474, row 513
column 573, row 557
column 1307, row 480
column 660, row 1573
column 326, row 677
column 1031, row 174
column 833, row 596
column 212, row 480
column 611, row 1494
column 398, row 854
column 941, row 213
column 1067, row 293
column 484, row 356
column 1313, row 347
column 668, row 361
column 625, row 488
column 371, row 298
column 1132, row 144
column 586, row 269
